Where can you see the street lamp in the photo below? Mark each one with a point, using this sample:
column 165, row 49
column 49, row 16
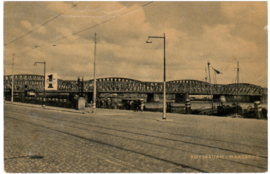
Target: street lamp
column 35, row 64
column 164, row 79
column 95, row 83
column 12, row 83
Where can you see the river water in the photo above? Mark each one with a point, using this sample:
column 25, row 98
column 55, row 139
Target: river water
column 199, row 105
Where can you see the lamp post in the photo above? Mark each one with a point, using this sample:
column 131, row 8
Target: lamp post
column 35, row 64
column 12, row 83
column 95, row 85
column 164, row 76
column 208, row 63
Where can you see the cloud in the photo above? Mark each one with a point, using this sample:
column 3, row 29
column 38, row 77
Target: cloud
column 220, row 32
column 29, row 27
column 246, row 12
column 224, row 45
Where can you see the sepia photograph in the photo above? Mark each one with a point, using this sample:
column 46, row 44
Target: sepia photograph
column 135, row 86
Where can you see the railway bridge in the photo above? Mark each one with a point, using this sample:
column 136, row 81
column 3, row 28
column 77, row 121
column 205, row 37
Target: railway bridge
column 129, row 87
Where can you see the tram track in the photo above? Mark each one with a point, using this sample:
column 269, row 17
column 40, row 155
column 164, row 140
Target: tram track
column 66, row 141
column 110, row 145
column 107, row 158
column 52, row 135
column 85, row 146
column 169, row 133
column 158, row 131
column 131, row 138
column 72, row 120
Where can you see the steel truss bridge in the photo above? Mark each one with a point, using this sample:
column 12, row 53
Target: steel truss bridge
column 125, row 85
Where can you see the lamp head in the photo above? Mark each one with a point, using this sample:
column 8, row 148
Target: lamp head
column 35, row 64
column 148, row 40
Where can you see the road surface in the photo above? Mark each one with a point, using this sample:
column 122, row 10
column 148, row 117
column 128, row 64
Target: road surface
column 46, row 140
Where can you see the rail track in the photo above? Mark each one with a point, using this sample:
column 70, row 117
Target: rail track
column 126, row 138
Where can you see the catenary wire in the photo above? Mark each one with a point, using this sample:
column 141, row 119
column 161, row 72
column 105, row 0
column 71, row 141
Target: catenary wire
column 41, row 25
column 86, row 29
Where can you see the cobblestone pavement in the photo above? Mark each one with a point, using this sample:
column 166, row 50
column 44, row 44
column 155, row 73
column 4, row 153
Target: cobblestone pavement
column 42, row 140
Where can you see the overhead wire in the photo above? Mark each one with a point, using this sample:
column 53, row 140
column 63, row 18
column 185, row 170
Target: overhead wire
column 101, row 23
column 41, row 25
column 96, row 17
column 87, row 28
column 80, row 30
column 98, row 9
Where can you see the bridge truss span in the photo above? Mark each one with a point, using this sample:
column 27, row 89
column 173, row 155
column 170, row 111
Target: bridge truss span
column 126, row 85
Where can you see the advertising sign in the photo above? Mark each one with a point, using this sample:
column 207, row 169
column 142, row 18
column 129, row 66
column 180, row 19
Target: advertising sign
column 51, row 81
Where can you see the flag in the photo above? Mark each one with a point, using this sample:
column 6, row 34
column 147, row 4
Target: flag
column 217, row 72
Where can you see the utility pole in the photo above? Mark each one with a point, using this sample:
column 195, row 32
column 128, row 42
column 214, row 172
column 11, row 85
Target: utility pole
column 164, row 82
column 95, row 87
column 205, row 74
column 44, row 83
column 12, row 83
column 237, row 82
column 43, row 97
column 208, row 63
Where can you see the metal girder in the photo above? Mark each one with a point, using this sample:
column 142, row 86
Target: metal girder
column 125, row 85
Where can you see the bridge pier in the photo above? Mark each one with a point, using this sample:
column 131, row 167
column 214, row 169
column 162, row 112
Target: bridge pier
column 240, row 98
column 187, row 103
column 222, row 99
column 186, row 96
column 264, row 98
column 179, row 98
column 89, row 97
column 254, row 98
column 216, row 97
column 152, row 97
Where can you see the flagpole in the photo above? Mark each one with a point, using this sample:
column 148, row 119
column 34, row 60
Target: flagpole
column 215, row 77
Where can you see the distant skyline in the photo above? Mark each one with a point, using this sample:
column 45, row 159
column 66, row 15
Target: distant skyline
column 196, row 32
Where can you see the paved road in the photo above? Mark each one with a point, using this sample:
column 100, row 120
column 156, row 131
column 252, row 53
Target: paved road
column 42, row 140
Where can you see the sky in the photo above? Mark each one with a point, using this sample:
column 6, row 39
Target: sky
column 62, row 34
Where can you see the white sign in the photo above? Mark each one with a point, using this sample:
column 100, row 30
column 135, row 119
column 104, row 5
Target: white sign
column 51, row 81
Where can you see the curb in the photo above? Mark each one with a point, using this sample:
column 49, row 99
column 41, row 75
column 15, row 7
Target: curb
column 41, row 107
